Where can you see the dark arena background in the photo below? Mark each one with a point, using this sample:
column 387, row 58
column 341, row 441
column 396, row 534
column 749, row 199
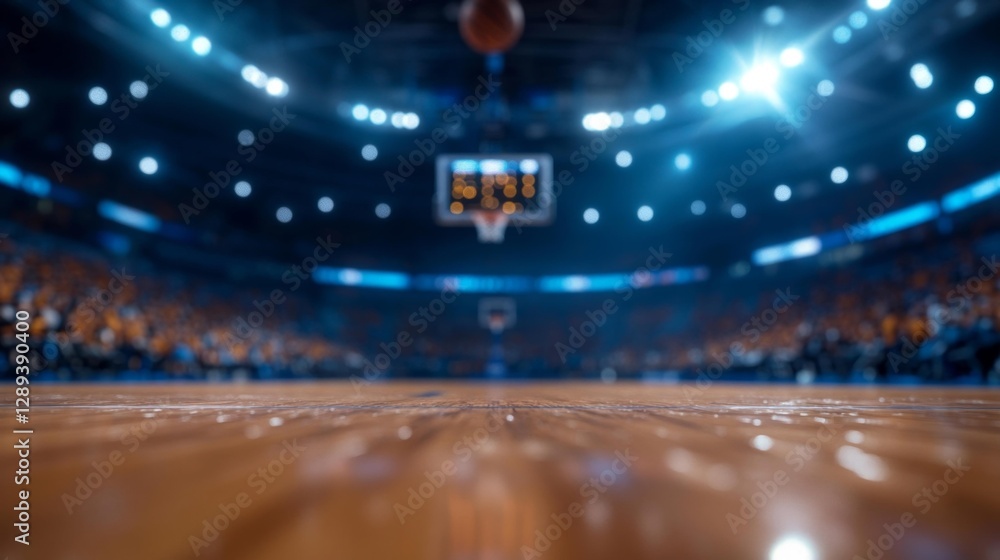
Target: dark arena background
column 499, row 279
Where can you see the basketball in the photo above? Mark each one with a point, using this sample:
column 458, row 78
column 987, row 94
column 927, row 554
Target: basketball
column 491, row 26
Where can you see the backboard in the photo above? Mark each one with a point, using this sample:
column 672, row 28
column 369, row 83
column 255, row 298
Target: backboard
column 490, row 191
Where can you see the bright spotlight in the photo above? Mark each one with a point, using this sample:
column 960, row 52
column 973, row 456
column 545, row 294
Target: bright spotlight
column 623, row 158
column 921, row 75
column 598, row 122
column 377, row 116
column 698, row 207
column 916, row 143
column 284, row 214
column 160, row 17
column 773, row 15
column 658, row 112
column 645, row 213
column 97, row 95
column 201, row 46
column 397, row 119
column 965, row 109
column 617, row 119
column 19, row 98
column 180, row 33
column 242, row 189
column 369, row 152
column 591, row 216
column 842, row 34
column 879, row 4
column 325, row 204
column 793, row 548
column 276, row 87
column 710, row 98
column 642, row 116
column 138, row 89
column 729, row 91
column 411, row 121
column 360, row 112
column 825, row 88
column 791, row 57
column 984, row 85
column 102, row 151
column 782, row 193
column 148, row 165
column 839, row 175
column 383, row 210
column 682, row 162
column 245, row 137
column 761, row 77
column 858, row 20
column 738, row 211
column 253, row 75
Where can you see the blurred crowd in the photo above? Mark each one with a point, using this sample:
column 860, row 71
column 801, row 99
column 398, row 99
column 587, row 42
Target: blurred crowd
column 931, row 313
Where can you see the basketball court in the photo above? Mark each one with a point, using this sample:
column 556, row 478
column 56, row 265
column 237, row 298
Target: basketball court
column 515, row 471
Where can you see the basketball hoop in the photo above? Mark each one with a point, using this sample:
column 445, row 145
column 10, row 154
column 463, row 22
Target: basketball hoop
column 490, row 225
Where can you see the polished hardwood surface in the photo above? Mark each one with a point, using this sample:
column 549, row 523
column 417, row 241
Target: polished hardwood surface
column 476, row 471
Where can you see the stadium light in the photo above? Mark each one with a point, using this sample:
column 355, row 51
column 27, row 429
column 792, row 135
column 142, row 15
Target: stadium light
column 360, row 112
column 921, row 75
column 284, row 214
column 180, row 33
column 325, row 204
column 738, row 211
column 710, row 98
column 698, row 207
column 369, row 152
column 782, row 193
column 916, row 143
column 791, row 57
column 19, row 98
column 825, row 88
column 148, row 165
column 102, row 151
column 682, row 162
column 590, row 215
column 842, row 34
column 201, row 46
column 965, row 109
column 984, row 85
column 383, row 210
column 242, row 189
column 276, row 87
column 658, row 112
column 623, row 158
column 645, row 213
column 729, row 91
column 858, row 20
column 642, row 116
column 97, row 95
column 139, row 89
column 160, row 17
column 839, row 175
column 879, row 4
column 245, row 137
column 773, row 15
column 760, row 78
column 377, row 116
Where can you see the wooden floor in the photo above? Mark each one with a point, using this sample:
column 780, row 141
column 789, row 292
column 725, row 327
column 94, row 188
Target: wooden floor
column 449, row 472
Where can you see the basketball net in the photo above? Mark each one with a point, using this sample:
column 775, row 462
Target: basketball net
column 490, row 226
